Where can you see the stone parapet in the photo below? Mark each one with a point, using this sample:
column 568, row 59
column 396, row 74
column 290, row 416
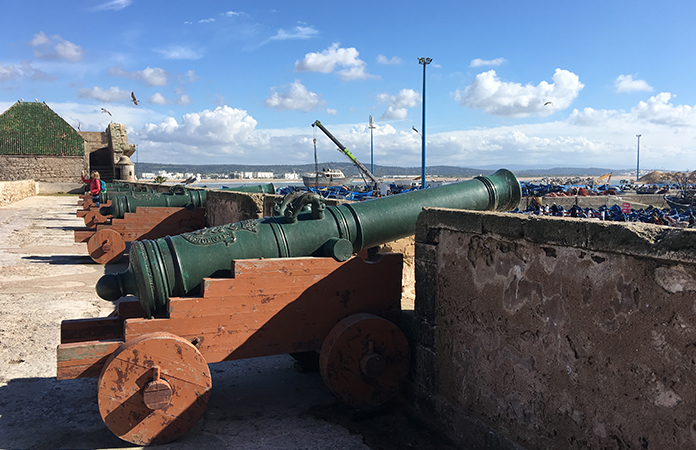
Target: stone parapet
column 14, row 191
column 557, row 333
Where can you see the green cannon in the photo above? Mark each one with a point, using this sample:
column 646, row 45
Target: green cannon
column 122, row 204
column 255, row 189
column 121, row 191
column 176, row 265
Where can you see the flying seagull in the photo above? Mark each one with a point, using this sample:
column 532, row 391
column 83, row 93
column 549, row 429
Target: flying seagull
column 134, row 100
column 105, row 111
column 193, row 179
column 548, row 103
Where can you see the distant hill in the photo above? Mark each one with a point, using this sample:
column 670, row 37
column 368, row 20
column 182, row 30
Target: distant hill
column 380, row 171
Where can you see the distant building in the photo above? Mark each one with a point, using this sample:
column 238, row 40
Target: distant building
column 291, row 176
column 36, row 143
column 109, row 153
column 264, row 175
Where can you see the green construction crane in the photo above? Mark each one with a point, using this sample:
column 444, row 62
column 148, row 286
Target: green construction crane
column 374, row 182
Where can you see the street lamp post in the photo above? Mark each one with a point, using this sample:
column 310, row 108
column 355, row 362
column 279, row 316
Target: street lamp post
column 424, row 62
column 638, row 158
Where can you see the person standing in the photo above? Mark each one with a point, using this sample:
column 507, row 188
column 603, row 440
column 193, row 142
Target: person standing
column 94, row 182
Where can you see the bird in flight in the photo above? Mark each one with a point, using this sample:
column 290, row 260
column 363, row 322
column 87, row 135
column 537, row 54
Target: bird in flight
column 193, row 179
column 133, row 99
column 548, row 103
column 105, row 111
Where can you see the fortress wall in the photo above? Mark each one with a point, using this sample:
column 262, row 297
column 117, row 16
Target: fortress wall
column 549, row 333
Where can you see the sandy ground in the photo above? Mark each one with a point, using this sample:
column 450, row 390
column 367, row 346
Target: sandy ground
column 260, row 403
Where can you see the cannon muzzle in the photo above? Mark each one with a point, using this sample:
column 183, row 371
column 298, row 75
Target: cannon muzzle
column 175, row 265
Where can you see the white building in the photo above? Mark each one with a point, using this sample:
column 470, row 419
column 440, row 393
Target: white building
column 291, row 176
column 264, row 175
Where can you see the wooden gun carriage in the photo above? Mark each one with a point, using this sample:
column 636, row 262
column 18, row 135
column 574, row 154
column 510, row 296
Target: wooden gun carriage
column 154, row 380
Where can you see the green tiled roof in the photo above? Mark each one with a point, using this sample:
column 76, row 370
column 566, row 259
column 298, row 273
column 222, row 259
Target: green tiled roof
column 32, row 128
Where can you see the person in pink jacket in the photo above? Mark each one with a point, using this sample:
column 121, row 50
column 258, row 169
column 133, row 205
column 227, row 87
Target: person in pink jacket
column 94, row 182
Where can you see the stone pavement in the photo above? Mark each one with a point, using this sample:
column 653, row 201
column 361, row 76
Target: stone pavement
column 259, row 403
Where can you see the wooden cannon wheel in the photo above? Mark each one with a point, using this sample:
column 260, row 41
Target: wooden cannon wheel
column 106, row 246
column 153, row 389
column 364, row 359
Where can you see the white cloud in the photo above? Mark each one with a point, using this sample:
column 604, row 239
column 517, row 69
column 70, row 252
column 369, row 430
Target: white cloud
column 658, row 110
column 180, row 52
column 399, row 104
column 329, row 59
column 599, row 138
column 331, row 111
column 113, row 5
column 157, row 99
column 394, row 60
column 294, row 97
column 34, row 73
column 113, row 94
column 229, row 14
column 39, row 38
column 591, row 117
column 8, row 73
column 211, row 20
column 55, row 47
column 299, row 32
column 184, row 100
column 478, row 62
column 191, row 76
column 626, row 83
column 493, row 96
column 223, row 125
column 152, row 76
column 25, row 70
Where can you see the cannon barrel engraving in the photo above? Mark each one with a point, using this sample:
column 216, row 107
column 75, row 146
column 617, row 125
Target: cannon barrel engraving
column 175, row 265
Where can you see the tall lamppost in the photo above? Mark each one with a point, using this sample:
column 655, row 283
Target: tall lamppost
column 638, row 158
column 372, row 147
column 424, row 62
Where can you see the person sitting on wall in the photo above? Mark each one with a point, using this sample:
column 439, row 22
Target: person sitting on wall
column 94, row 184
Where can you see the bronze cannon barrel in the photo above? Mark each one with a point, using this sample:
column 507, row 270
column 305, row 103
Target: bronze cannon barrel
column 253, row 189
column 122, row 204
column 175, row 265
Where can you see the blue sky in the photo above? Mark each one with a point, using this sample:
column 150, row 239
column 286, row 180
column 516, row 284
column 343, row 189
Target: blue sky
column 534, row 83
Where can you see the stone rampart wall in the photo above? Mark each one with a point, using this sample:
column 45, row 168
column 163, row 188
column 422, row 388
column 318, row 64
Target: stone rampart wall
column 550, row 333
column 14, row 191
column 41, row 168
